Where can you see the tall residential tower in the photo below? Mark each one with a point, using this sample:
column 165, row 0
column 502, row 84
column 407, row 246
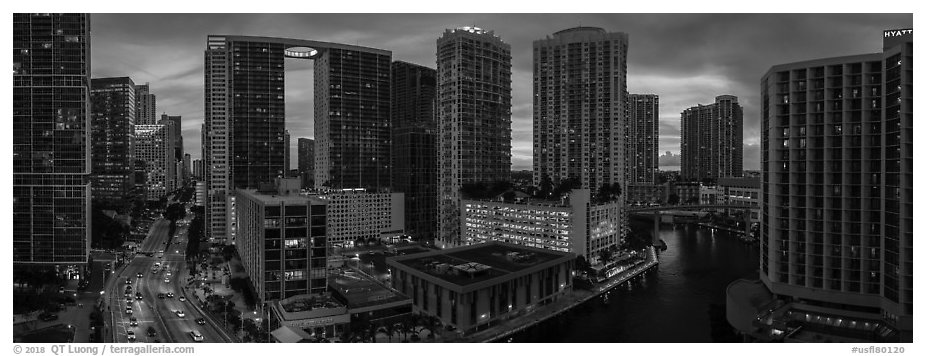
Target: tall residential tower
column 712, row 140
column 473, row 118
column 643, row 138
column 112, row 139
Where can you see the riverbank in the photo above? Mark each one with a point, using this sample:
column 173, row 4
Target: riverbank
column 577, row 297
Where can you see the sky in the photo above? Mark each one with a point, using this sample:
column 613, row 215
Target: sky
column 686, row 59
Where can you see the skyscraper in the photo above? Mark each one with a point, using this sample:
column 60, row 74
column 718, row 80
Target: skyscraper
column 146, row 105
column 152, row 147
column 244, row 117
column 286, row 150
column 306, row 161
column 712, row 140
column 51, row 139
column 580, row 91
column 474, row 118
column 837, row 186
column 643, row 138
column 414, row 146
column 176, row 147
column 112, row 138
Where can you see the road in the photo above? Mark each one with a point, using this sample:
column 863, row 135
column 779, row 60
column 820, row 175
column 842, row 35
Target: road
column 151, row 311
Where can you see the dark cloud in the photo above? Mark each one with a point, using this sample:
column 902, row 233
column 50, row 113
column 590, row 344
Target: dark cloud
column 687, row 59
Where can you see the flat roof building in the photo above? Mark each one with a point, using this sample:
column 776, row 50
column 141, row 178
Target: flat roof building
column 712, row 140
column 113, row 138
column 474, row 287
column 356, row 214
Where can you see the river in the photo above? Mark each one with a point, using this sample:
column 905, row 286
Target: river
column 681, row 301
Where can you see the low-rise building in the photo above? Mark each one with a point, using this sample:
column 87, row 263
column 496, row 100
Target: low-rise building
column 356, row 214
column 282, row 240
column 742, row 191
column 477, row 286
column 647, row 193
column 315, row 315
column 368, row 301
column 573, row 224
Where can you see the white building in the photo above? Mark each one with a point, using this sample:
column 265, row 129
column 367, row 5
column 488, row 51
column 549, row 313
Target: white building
column 152, row 146
column 573, row 224
column 200, row 193
column 357, row 214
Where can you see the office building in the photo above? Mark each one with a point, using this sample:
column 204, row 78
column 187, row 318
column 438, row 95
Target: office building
column 712, row 140
column 51, row 141
column 576, row 224
column 286, row 150
column 356, row 214
column 244, row 117
column 414, row 146
column 152, row 146
column 473, row 118
column 836, row 252
column 112, row 138
column 198, row 169
column 743, row 192
column 200, row 193
column 282, row 241
column 187, row 167
column 146, row 105
column 642, row 138
column 306, row 161
column 580, row 98
column 478, row 286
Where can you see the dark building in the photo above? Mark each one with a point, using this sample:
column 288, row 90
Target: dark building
column 712, row 140
column 244, row 118
column 837, row 192
column 146, row 105
column 177, row 134
column 414, row 146
column 474, row 118
column 51, row 139
column 306, row 161
column 642, row 138
column 112, row 139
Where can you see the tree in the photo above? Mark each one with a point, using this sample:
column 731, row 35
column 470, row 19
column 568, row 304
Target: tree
column 606, row 255
column 673, row 199
column 546, row 186
column 509, row 196
column 582, row 264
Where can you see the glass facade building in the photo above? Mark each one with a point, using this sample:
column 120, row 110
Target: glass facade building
column 112, row 138
column 51, row 139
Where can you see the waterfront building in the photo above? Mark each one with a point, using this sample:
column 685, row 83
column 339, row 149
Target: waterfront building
column 647, row 193
column 687, row 192
column 712, row 140
column 112, row 139
column 836, row 251
column 152, row 146
column 473, row 118
column 575, row 224
column 145, row 105
column 245, row 119
column 282, row 240
column 51, row 141
column 414, row 146
column 742, row 191
column 477, row 286
column 642, row 138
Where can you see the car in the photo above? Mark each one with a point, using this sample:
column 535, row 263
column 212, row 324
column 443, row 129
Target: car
column 161, row 295
column 182, row 298
column 138, row 296
column 170, row 294
column 128, row 309
column 130, row 335
column 180, row 313
column 128, row 288
column 151, row 332
column 196, row 336
column 168, row 273
column 128, row 299
column 48, row 316
column 139, row 275
column 201, row 321
column 133, row 321
column 166, row 280
column 128, row 281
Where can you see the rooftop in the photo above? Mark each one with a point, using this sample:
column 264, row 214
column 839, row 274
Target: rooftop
column 359, row 292
column 472, row 264
column 308, row 306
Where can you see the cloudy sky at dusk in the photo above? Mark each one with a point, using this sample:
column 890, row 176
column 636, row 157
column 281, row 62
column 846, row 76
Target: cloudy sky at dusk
column 685, row 59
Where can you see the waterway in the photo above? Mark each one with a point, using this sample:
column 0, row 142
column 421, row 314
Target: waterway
column 681, row 301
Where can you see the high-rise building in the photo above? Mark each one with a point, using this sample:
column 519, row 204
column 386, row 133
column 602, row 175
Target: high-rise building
column 712, row 140
column 112, row 138
column 152, row 146
column 244, row 117
column 175, row 141
column 146, row 105
column 414, row 146
column 51, row 140
column 198, row 169
column 580, row 92
column 286, row 150
column 837, row 193
column 356, row 214
column 474, row 119
column 282, row 240
column 306, row 160
column 643, row 138
column 187, row 166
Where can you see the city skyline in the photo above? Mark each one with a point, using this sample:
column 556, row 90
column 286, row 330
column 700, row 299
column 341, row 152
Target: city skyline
column 707, row 56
